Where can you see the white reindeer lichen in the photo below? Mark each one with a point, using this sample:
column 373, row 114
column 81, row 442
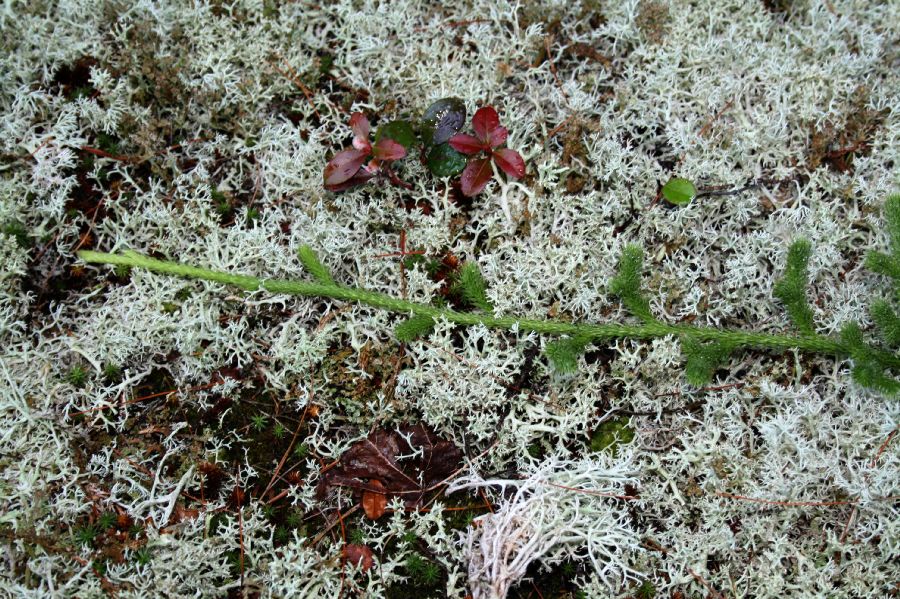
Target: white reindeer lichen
column 563, row 509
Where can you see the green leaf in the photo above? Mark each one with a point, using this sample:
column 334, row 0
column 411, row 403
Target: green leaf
column 627, row 283
column 472, row 286
column 400, row 131
column 442, row 120
column 791, row 289
column 703, row 359
column 679, row 191
column 313, row 266
column 563, row 353
column 413, row 327
column 444, row 161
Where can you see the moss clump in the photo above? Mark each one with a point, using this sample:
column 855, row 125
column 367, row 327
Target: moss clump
column 611, row 434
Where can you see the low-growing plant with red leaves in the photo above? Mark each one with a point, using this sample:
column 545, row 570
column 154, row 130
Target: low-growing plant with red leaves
column 489, row 136
column 445, row 151
column 348, row 168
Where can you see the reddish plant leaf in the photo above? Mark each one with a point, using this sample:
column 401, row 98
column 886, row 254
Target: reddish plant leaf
column 476, row 176
column 484, row 122
column 497, row 137
column 359, row 124
column 361, row 177
column 377, row 457
column 374, row 500
column 388, row 149
column 358, row 555
column 510, row 162
column 466, row 144
column 344, row 165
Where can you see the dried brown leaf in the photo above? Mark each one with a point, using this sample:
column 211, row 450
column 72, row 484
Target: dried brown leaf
column 374, row 500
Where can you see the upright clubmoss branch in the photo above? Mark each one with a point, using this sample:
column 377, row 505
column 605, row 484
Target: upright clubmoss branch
column 791, row 289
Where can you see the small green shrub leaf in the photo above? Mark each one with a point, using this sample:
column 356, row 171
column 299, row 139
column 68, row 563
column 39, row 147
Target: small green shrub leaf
column 444, row 161
column 400, row 131
column 679, row 191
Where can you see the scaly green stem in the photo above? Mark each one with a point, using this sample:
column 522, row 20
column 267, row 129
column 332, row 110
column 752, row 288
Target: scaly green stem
column 650, row 330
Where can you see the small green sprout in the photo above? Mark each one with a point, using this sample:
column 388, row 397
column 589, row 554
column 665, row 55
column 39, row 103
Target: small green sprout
column 112, row 373
column 86, row 535
column 279, row 431
column 258, row 422
column 282, row 534
column 143, row 555
column 410, row 537
column 294, row 519
column 646, row 590
column 356, row 536
column 99, row 566
column 301, row 450
column 77, row 376
column 106, row 520
column 423, row 571
column 18, row 231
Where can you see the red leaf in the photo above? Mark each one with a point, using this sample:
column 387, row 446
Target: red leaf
column 465, row 143
column 510, row 162
column 475, row 176
column 484, row 122
column 388, row 149
column 358, row 555
column 361, row 177
column 497, row 137
column 374, row 502
column 343, row 166
column 359, row 124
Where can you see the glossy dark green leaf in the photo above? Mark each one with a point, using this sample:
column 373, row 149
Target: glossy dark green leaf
column 679, row 191
column 399, row 131
column 444, row 161
column 442, row 120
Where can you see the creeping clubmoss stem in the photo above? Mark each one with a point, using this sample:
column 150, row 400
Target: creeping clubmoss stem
column 649, row 330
